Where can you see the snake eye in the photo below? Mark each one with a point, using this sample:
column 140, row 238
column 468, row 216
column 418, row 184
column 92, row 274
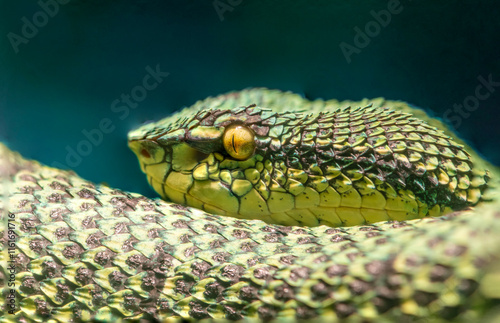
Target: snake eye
column 239, row 142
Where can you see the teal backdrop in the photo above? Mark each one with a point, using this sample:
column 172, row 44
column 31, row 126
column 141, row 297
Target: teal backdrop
column 77, row 75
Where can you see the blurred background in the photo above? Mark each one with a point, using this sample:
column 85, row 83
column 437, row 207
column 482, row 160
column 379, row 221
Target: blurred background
column 76, row 76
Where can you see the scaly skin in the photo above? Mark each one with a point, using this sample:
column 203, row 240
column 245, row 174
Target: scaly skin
column 86, row 251
column 337, row 167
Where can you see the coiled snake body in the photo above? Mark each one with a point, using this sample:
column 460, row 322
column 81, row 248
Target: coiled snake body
column 356, row 186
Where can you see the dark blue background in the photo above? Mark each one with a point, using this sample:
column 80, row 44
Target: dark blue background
column 64, row 79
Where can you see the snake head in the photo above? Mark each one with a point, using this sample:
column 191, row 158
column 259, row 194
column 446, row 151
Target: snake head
column 216, row 160
column 343, row 167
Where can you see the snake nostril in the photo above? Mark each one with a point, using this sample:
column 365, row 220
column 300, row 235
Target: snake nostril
column 145, row 153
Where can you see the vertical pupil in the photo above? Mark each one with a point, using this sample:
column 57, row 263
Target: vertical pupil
column 234, row 146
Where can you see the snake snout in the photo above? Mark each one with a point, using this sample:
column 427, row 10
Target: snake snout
column 148, row 151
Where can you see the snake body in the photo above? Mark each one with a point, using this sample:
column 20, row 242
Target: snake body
column 84, row 251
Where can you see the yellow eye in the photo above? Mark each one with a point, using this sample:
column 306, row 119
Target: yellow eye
column 239, row 142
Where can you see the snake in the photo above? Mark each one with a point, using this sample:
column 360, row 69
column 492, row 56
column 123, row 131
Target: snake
column 274, row 208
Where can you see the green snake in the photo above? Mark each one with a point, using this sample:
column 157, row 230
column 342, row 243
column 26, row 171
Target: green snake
column 278, row 209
